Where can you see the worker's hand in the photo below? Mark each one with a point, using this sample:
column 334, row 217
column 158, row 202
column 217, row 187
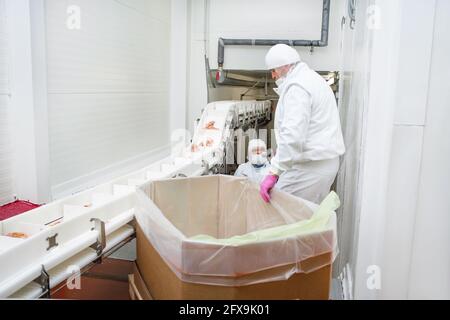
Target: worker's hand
column 266, row 186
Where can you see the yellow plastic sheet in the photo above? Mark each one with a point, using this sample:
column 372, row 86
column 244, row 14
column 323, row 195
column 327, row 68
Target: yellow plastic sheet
column 317, row 223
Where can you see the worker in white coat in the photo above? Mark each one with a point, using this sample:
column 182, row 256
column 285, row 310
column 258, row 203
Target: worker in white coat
column 257, row 167
column 307, row 129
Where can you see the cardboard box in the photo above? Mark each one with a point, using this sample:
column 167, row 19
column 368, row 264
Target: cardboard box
column 175, row 264
column 163, row 283
column 138, row 288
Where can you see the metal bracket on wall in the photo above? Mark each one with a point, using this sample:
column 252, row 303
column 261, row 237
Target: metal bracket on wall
column 100, row 244
column 52, row 242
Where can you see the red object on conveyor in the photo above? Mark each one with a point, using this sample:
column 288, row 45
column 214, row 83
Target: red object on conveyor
column 15, row 208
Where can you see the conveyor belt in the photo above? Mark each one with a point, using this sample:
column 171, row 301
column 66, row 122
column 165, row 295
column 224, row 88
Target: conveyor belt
column 77, row 230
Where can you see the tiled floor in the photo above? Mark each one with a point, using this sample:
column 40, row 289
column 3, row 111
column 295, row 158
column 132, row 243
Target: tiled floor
column 106, row 281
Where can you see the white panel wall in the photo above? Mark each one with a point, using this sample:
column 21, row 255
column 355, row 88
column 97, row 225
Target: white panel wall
column 120, row 48
column 88, row 134
column 6, row 185
column 197, row 87
column 4, row 56
column 380, row 88
column 407, row 145
column 402, row 210
column 416, row 260
column 38, row 45
column 178, row 64
column 108, row 84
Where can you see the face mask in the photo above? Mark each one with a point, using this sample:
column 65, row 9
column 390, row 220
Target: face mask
column 280, row 81
column 258, row 159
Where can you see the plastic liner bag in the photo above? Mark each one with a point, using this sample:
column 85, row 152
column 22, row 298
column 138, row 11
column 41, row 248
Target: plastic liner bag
column 217, row 230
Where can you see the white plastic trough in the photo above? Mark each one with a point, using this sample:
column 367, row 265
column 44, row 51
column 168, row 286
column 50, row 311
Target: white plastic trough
column 71, row 220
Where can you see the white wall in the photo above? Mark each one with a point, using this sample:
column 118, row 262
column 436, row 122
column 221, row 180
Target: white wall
column 402, row 208
column 266, row 19
column 430, row 262
column 6, row 183
column 286, row 19
column 108, row 88
column 40, row 97
column 178, row 64
column 90, row 104
column 29, row 172
column 355, row 75
column 196, row 86
column 367, row 105
column 416, row 255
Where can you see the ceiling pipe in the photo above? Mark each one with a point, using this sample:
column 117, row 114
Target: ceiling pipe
column 323, row 42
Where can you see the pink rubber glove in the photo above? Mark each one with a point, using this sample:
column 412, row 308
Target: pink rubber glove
column 266, row 186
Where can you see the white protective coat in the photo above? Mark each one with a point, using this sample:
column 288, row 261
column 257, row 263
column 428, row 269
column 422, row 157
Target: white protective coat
column 252, row 173
column 308, row 134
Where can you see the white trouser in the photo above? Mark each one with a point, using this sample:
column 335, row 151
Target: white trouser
column 310, row 180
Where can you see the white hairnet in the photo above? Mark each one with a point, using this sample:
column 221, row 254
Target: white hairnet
column 256, row 143
column 261, row 157
column 281, row 55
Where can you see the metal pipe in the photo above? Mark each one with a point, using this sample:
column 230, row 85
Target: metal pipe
column 239, row 83
column 323, row 42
